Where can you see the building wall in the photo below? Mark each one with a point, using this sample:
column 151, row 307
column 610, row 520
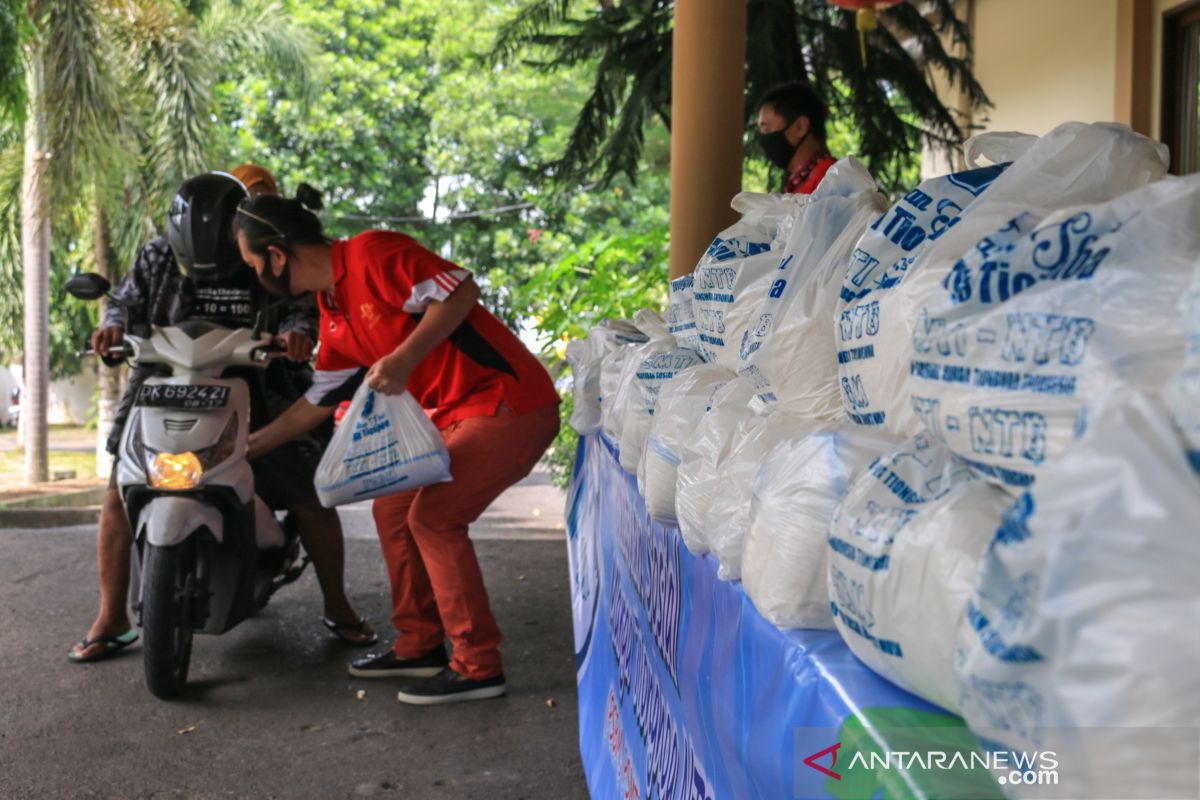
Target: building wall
column 1043, row 62
column 70, row 400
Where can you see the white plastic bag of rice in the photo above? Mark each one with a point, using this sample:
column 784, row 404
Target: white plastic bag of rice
column 1081, row 636
column 903, row 550
column 1183, row 394
column 385, row 444
column 681, row 316
column 727, row 518
column 654, row 371
column 585, row 357
column 700, row 458
column 736, row 270
column 682, row 402
column 789, row 349
column 801, row 481
column 617, row 371
column 1047, row 315
column 1074, row 164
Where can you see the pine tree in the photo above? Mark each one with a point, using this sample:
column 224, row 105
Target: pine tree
column 890, row 103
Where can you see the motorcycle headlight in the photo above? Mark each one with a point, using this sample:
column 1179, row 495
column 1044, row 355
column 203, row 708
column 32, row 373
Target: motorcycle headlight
column 175, row 470
column 178, row 471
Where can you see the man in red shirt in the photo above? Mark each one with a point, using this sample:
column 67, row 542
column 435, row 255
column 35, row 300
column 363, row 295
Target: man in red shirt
column 791, row 131
column 383, row 284
column 401, row 318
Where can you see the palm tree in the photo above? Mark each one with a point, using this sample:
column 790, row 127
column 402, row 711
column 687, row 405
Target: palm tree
column 118, row 109
column 890, row 102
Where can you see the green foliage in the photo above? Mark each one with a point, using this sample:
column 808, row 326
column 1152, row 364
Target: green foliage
column 131, row 112
column 845, row 138
column 81, row 96
column 72, row 320
column 11, row 276
column 891, row 104
column 415, row 128
column 560, row 456
column 12, row 78
column 611, row 272
column 628, row 47
column 610, row 275
column 362, row 137
column 172, row 62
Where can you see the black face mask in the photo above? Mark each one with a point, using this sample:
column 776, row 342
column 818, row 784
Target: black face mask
column 277, row 285
column 778, row 149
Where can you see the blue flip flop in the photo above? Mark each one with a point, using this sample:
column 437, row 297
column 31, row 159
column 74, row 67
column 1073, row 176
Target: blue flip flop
column 112, row 645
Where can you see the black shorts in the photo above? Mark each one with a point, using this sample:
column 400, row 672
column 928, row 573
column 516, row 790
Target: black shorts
column 286, row 477
column 283, row 478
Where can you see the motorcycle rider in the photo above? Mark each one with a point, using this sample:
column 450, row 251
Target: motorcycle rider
column 166, row 285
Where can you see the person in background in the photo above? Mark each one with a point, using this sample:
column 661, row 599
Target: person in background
column 791, row 131
column 159, row 290
column 257, row 179
column 401, row 318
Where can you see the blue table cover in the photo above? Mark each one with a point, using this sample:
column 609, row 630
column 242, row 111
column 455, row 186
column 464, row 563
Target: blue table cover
column 685, row 691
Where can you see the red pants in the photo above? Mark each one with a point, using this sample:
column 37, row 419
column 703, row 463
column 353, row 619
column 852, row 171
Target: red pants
column 437, row 588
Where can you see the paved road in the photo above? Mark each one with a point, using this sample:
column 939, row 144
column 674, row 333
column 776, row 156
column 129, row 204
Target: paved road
column 270, row 712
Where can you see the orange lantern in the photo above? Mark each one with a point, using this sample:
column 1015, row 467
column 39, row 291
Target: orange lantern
column 865, row 19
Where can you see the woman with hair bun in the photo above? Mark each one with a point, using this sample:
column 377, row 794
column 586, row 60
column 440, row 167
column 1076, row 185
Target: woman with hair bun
column 400, row 317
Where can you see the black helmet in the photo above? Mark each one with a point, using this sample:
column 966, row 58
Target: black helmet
column 200, row 226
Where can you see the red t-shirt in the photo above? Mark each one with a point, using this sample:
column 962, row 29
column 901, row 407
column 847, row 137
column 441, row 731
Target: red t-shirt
column 382, row 284
column 806, row 179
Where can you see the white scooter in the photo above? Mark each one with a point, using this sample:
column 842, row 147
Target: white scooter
column 208, row 552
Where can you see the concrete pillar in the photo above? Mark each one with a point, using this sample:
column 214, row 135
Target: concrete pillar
column 708, row 78
column 1135, row 64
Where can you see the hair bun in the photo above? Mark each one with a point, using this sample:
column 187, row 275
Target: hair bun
column 309, row 197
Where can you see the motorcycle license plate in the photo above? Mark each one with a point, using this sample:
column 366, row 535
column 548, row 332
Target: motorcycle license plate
column 192, row 397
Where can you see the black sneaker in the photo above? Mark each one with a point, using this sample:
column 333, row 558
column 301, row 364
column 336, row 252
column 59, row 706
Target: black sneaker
column 389, row 665
column 450, row 687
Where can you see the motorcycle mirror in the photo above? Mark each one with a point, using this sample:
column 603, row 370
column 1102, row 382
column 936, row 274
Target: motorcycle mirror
column 87, row 286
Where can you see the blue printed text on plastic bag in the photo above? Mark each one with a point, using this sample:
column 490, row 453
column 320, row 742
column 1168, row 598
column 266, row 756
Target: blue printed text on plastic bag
column 879, row 263
column 1041, row 317
column 681, row 317
column 385, row 445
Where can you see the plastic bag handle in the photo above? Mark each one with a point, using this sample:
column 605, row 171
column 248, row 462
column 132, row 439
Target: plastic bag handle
column 997, row 147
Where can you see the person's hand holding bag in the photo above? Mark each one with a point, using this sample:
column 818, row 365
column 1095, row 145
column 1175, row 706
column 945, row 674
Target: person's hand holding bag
column 385, row 444
column 389, row 375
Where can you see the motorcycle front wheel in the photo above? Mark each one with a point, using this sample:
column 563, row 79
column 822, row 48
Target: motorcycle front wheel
column 168, row 592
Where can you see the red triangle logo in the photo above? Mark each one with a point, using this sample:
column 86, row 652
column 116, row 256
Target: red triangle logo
column 831, row 750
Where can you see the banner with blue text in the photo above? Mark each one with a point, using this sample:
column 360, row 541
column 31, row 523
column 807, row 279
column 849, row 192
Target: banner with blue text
column 684, row 690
